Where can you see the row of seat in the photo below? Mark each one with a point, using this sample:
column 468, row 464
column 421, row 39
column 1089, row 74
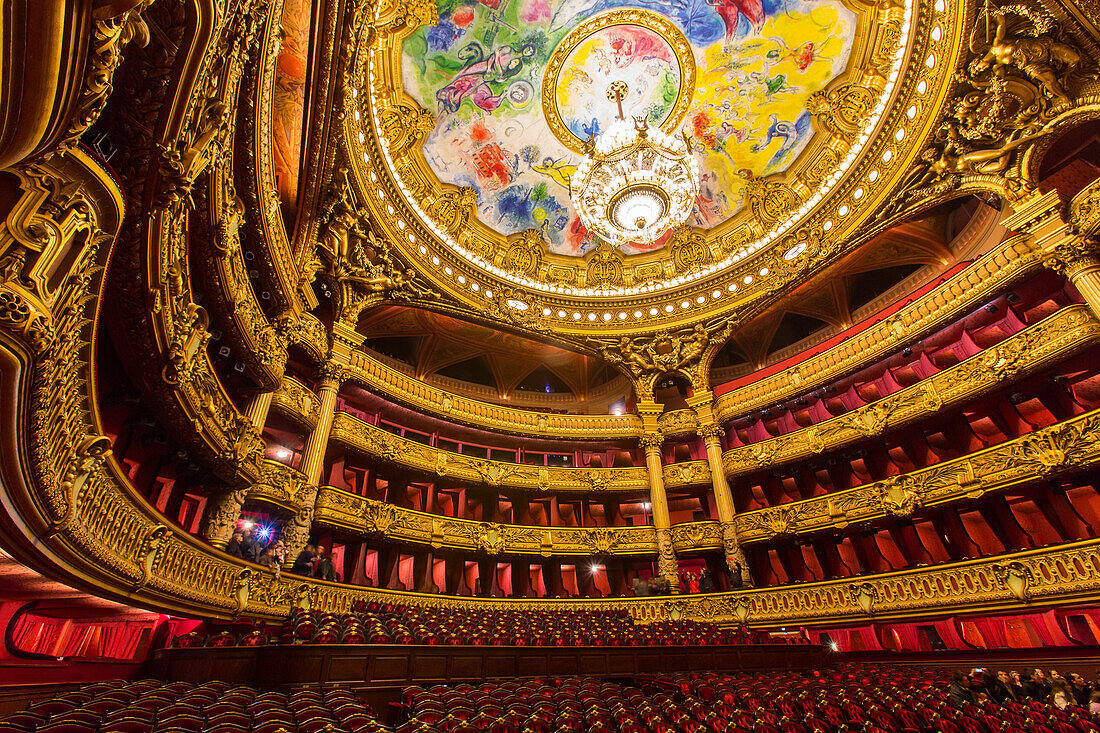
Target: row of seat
column 871, row 700
column 394, row 623
column 151, row 706
column 852, row 698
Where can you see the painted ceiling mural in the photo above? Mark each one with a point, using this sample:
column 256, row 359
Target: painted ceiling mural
column 288, row 107
column 518, row 85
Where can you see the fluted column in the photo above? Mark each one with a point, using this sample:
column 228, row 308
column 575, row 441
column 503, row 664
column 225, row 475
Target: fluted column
column 666, row 556
column 313, row 455
column 723, row 499
column 296, row 533
column 258, row 409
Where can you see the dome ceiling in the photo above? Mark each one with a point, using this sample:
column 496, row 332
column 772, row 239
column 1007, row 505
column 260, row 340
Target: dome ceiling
column 517, row 86
column 466, row 120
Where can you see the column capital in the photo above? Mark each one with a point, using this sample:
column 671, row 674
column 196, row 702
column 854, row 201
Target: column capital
column 710, row 431
column 1041, row 216
column 701, row 400
column 332, row 373
column 652, row 440
column 1072, row 255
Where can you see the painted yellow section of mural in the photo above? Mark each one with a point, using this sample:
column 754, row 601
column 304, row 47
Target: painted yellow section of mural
column 481, row 69
column 748, row 115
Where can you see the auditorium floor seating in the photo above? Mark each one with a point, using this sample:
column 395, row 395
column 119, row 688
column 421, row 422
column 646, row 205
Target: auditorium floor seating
column 390, row 623
column 850, row 698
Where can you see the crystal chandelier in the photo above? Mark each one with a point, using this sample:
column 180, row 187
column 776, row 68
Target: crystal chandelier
column 635, row 182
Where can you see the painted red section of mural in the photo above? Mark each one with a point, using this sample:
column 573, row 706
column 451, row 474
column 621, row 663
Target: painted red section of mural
column 288, row 113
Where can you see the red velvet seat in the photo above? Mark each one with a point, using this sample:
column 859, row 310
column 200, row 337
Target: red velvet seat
column 24, row 722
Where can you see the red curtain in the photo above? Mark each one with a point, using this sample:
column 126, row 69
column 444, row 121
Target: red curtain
column 439, row 573
column 504, row 579
column 992, row 631
column 37, row 634
column 1049, row 631
column 75, row 645
column 405, row 572
column 950, row 635
column 119, row 640
column 908, row 638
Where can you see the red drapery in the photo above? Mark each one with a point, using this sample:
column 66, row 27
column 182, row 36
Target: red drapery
column 105, row 638
column 992, row 631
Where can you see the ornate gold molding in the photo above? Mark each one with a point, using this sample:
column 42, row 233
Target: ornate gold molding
column 992, row 273
column 344, row 509
column 216, row 238
column 1060, row 448
column 686, row 473
column 696, row 536
column 358, row 434
column 1045, row 343
column 423, row 397
column 280, row 485
column 298, row 402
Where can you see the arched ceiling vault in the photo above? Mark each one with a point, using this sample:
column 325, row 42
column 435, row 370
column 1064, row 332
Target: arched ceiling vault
column 438, row 342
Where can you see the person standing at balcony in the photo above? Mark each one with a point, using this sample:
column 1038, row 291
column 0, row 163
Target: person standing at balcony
column 706, row 585
column 236, row 545
column 303, row 564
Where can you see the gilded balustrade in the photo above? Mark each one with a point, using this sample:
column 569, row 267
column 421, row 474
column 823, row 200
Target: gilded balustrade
column 280, row 485
column 1059, row 448
column 298, row 402
column 361, row 435
column 1069, row 573
column 946, row 303
column 344, row 509
column 423, row 397
column 1037, row 347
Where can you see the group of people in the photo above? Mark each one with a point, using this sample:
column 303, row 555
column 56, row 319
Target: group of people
column 313, row 561
column 700, row 582
column 703, row 582
column 1001, row 687
column 247, row 544
column 316, row 562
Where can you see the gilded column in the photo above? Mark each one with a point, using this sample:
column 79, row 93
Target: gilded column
column 258, row 409
column 666, row 556
column 723, row 499
column 221, row 515
column 224, row 509
column 296, row 533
